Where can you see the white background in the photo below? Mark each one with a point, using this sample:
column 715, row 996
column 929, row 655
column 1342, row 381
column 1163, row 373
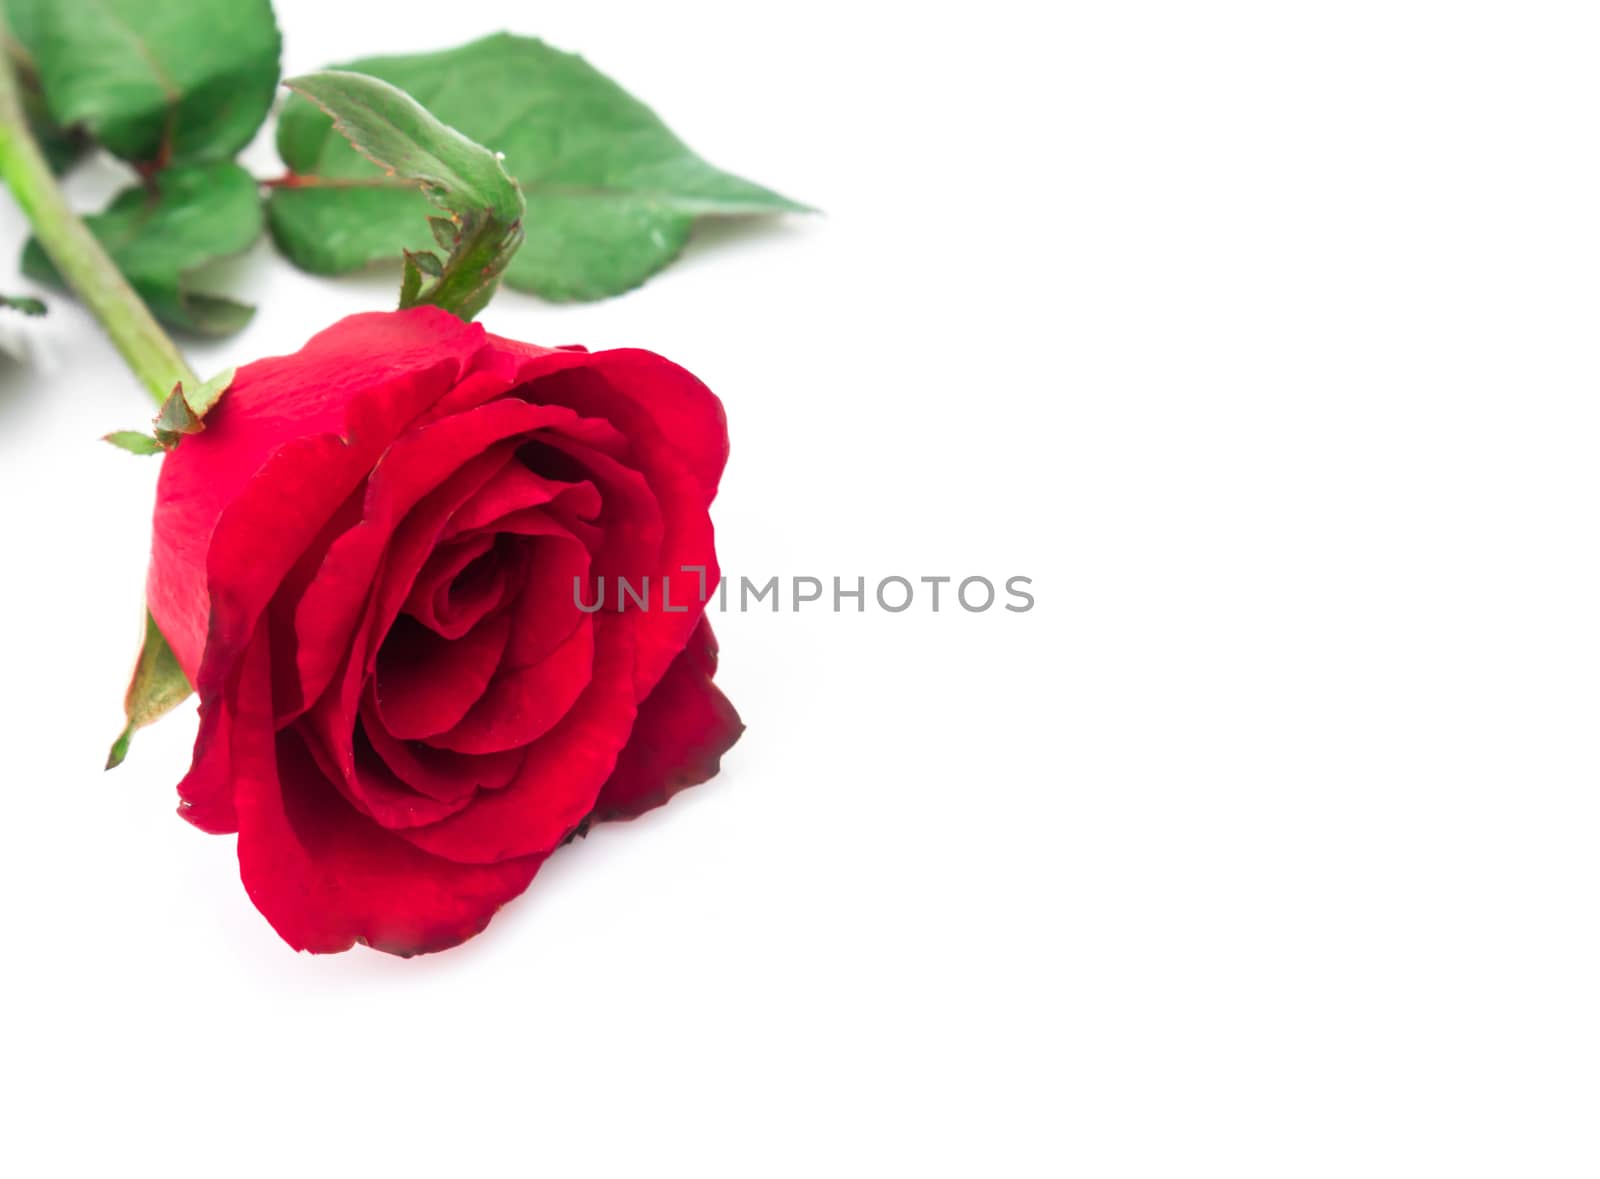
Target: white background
column 1260, row 335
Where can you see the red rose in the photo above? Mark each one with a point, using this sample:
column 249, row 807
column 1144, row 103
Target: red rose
column 367, row 563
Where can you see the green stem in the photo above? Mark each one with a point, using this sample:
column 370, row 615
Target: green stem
column 472, row 272
column 150, row 353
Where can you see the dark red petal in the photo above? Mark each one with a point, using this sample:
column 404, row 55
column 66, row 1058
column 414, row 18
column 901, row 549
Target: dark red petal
column 426, row 683
column 683, row 728
column 560, row 776
column 333, row 717
column 688, row 544
column 678, row 438
column 516, row 487
column 461, row 584
column 549, row 657
column 523, row 703
column 375, row 790
column 414, row 466
column 494, row 370
column 629, row 520
column 688, row 417
column 644, row 395
column 326, row 876
column 673, row 484
column 546, row 610
column 438, row 773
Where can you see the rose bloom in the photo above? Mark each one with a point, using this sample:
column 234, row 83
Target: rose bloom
column 366, row 563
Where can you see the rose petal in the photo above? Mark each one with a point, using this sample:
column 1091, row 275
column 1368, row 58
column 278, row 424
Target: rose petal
column 438, row 773
column 495, row 370
column 683, row 728
column 375, row 790
column 647, row 397
column 681, row 475
column 287, row 692
column 261, row 495
column 516, row 487
column 548, row 658
column 522, row 704
column 425, row 683
column 560, row 776
column 360, row 381
column 629, row 522
column 461, row 584
column 415, row 465
column 325, row 875
column 205, row 795
column 546, row 609
column 333, row 716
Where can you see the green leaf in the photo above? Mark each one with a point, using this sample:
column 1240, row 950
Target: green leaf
column 158, row 687
column 26, row 304
column 184, row 412
column 394, row 131
column 176, row 419
column 208, row 393
column 60, row 146
column 135, row 442
column 388, row 127
column 14, row 340
column 611, row 193
column 410, row 281
column 154, row 81
column 163, row 235
column 61, row 149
